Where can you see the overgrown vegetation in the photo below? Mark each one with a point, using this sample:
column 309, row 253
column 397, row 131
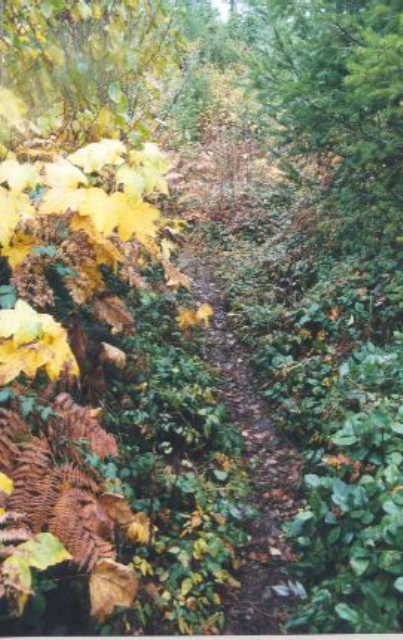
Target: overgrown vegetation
column 313, row 288
column 123, row 486
column 116, row 454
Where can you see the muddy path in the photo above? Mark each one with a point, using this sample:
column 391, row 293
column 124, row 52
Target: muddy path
column 262, row 603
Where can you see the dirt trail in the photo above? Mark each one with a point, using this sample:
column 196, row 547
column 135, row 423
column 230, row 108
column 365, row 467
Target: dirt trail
column 273, row 463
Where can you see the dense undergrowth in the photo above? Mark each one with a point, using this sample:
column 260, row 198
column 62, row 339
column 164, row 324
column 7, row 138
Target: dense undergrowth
column 123, row 494
column 324, row 336
column 162, row 410
column 122, row 489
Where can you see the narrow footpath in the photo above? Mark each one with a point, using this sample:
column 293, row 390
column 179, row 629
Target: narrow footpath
column 262, row 603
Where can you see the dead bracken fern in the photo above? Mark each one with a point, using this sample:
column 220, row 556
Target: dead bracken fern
column 51, row 488
column 73, row 423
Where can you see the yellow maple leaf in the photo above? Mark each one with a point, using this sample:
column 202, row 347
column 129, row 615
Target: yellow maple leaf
column 19, row 176
column 94, row 156
column 61, row 174
column 131, row 179
column 135, row 217
column 59, row 201
column 99, row 207
column 167, row 246
column 105, row 251
column 21, row 246
column 60, row 354
column 100, row 213
column 139, row 530
column 30, row 340
column 152, row 156
column 151, row 164
column 21, row 323
column 13, row 208
column 153, row 181
column 187, row 318
column 204, row 312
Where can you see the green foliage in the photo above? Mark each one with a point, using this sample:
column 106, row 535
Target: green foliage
column 351, row 531
column 180, row 465
column 193, row 101
column 324, row 337
column 329, row 77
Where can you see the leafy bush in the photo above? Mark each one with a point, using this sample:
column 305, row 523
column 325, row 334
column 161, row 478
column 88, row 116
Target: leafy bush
column 328, row 74
column 350, row 534
column 324, row 338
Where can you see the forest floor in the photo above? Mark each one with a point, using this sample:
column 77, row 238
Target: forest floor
column 262, row 602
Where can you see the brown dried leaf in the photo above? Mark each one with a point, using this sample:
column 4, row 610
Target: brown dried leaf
column 114, row 312
column 174, row 277
column 117, row 508
column 111, row 584
column 112, row 354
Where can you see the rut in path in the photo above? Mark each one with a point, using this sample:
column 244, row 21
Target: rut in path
column 272, row 461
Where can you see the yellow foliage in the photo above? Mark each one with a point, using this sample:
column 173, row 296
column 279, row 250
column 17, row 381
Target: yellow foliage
column 30, row 340
column 135, row 217
column 19, row 176
column 13, row 208
column 100, row 213
column 151, row 164
column 94, row 156
column 6, row 484
column 204, row 312
column 63, row 175
column 21, row 246
column 187, row 318
column 42, row 551
column 133, row 182
column 139, row 530
column 142, row 565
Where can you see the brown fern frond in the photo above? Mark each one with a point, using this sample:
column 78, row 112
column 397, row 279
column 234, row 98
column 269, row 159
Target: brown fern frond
column 78, row 253
column 31, row 482
column 13, row 430
column 79, row 522
column 15, row 535
column 72, row 476
column 49, row 233
column 130, row 271
column 43, row 497
column 13, row 529
column 11, row 516
column 61, row 499
column 74, row 423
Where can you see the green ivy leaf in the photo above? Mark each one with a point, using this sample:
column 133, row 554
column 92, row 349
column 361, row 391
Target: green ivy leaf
column 398, row 584
column 220, row 475
column 346, row 613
